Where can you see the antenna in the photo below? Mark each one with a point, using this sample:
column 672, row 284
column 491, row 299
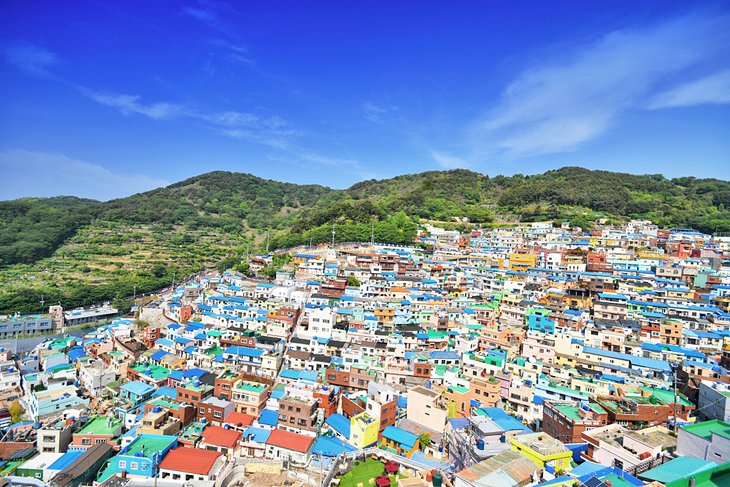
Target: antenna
column 42, row 301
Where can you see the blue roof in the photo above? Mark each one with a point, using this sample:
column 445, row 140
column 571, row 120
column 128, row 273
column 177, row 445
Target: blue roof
column 330, row 446
column 137, row 387
column 406, row 439
column 166, row 391
column 67, row 459
column 159, row 355
column 259, row 435
column 245, row 351
column 165, row 342
column 444, row 355
column 505, row 421
column 402, row 401
column 633, row 359
column 269, row 417
column 339, row 423
column 278, row 393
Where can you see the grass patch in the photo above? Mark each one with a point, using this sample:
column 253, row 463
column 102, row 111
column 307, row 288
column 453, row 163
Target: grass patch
column 363, row 472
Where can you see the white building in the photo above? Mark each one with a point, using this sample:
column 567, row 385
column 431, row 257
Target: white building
column 94, row 376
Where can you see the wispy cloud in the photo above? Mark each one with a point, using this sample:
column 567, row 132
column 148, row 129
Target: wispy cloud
column 31, row 59
column 377, row 113
column 557, row 105
column 235, row 52
column 713, row 89
column 32, row 173
column 209, row 13
column 266, row 130
column 130, row 104
column 449, row 161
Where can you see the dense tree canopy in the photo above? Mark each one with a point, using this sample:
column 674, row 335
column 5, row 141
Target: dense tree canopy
column 80, row 252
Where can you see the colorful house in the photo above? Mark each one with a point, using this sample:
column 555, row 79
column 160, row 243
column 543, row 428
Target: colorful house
column 399, row 441
column 140, row 458
column 363, row 430
column 544, row 450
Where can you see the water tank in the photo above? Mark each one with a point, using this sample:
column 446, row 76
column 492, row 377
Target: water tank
column 203, row 421
column 227, row 426
column 503, row 438
column 438, row 479
column 156, row 409
column 427, row 384
column 480, row 444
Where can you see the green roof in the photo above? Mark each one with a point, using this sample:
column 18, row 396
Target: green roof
column 101, row 425
column 597, row 408
column 214, row 351
column 677, row 469
column 666, row 396
column 157, row 372
column 251, row 387
column 705, row 429
column 151, row 443
column 107, row 472
column 459, row 389
column 570, row 411
column 161, row 401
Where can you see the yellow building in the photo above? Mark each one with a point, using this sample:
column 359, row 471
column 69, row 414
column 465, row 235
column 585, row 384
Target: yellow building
column 522, row 262
column 400, row 442
column 543, row 450
column 363, row 430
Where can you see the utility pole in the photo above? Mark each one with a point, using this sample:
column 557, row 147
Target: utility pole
column 268, row 233
column 172, row 289
column 333, row 234
column 372, row 235
column 674, row 370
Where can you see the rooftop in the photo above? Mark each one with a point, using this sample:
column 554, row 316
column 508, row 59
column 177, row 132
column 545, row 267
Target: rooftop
column 101, row 425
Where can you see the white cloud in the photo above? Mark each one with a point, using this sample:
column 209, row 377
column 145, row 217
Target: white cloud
column 130, row 104
column 270, row 131
column 557, row 105
column 713, row 89
column 449, row 161
column 31, row 59
column 376, row 113
column 31, row 173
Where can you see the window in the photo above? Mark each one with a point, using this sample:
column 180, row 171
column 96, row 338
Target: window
column 217, row 414
column 122, row 464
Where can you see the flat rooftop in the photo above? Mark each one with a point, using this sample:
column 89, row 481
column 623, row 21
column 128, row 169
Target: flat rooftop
column 101, row 425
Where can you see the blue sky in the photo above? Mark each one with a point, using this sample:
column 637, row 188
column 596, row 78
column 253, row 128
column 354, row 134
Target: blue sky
column 104, row 98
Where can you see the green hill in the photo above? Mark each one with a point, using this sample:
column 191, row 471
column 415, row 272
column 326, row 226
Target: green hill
column 81, row 251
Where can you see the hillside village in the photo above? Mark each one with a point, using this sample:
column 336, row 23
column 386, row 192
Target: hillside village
column 532, row 355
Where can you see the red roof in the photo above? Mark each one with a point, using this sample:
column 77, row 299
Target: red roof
column 239, row 419
column 289, row 440
column 190, row 460
column 215, row 435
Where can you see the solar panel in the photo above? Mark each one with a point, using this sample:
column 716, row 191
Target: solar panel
column 594, row 482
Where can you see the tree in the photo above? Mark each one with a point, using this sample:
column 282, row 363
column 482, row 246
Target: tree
column 424, row 440
column 16, row 411
column 352, row 281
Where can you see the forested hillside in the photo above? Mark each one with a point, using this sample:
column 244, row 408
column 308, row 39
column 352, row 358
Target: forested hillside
column 81, row 251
